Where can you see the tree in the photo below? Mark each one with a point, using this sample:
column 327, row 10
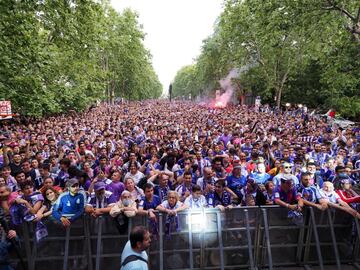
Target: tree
column 62, row 55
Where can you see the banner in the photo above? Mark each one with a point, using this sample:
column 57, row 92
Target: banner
column 5, row 110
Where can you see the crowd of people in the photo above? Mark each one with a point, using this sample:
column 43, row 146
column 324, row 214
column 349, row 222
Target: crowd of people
column 140, row 157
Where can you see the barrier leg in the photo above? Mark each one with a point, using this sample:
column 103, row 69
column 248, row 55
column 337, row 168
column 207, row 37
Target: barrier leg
column 66, row 253
column 308, row 240
column 191, row 258
column 161, row 244
column 219, row 231
column 333, row 238
column 27, row 246
column 88, row 242
column 34, row 252
column 248, row 235
column 98, row 244
column 258, row 237
column 267, row 236
column 357, row 243
column 300, row 243
column 129, row 227
column 316, row 236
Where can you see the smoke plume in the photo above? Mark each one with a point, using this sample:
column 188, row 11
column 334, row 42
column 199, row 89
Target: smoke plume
column 226, row 85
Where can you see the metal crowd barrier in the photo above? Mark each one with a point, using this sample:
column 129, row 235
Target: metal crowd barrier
column 246, row 237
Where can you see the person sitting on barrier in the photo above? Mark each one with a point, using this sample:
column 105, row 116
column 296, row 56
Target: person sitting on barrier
column 310, row 194
column 101, row 201
column 347, row 194
column 251, row 194
column 196, row 200
column 335, row 201
column 184, row 190
column 133, row 256
column 171, row 207
column 287, row 196
column 70, row 204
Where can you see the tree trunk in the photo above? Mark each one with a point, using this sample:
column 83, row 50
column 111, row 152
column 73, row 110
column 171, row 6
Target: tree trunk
column 242, row 100
column 278, row 97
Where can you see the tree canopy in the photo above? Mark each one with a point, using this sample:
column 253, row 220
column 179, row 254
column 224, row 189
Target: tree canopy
column 291, row 51
column 61, row 55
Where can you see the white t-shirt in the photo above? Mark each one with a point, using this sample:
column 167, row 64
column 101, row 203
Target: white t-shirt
column 137, row 177
column 135, row 265
column 195, row 204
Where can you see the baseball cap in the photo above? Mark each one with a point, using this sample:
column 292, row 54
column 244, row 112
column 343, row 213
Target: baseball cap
column 99, row 185
column 71, row 182
column 345, row 181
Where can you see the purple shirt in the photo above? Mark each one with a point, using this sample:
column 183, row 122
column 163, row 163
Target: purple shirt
column 116, row 188
column 290, row 197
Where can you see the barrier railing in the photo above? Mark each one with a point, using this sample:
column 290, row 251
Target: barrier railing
column 246, row 237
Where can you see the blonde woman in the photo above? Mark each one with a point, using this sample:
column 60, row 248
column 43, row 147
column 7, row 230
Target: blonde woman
column 136, row 192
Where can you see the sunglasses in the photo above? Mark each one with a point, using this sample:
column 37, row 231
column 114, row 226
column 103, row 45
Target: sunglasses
column 287, row 167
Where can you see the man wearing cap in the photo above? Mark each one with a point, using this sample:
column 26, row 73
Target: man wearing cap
column 70, row 204
column 287, row 196
column 100, row 201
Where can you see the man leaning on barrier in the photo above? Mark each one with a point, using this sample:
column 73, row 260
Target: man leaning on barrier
column 70, row 204
column 310, row 193
column 134, row 256
column 286, row 196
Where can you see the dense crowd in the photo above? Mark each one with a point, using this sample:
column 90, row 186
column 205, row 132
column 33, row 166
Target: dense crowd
column 134, row 158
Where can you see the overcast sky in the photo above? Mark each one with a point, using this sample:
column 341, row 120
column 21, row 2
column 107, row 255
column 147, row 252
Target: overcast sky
column 174, row 30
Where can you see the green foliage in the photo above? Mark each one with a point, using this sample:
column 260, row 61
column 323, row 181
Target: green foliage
column 293, row 51
column 62, row 55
